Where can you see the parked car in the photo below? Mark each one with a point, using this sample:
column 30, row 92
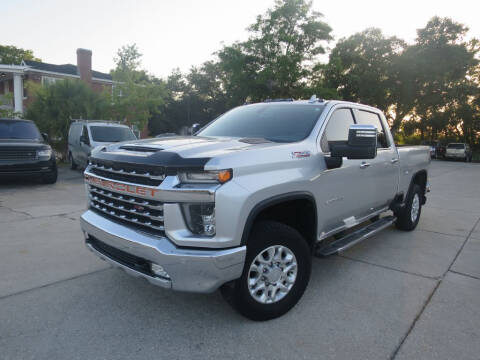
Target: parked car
column 25, row 152
column 244, row 203
column 459, row 151
column 437, row 149
column 85, row 135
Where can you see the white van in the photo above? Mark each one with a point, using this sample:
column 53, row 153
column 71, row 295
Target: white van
column 85, row 135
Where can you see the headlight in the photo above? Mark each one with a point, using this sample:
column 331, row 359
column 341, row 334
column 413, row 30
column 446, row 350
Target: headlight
column 209, row 177
column 200, row 218
column 44, row 154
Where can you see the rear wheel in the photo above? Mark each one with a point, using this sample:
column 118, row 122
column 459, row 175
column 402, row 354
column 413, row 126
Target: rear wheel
column 276, row 272
column 408, row 218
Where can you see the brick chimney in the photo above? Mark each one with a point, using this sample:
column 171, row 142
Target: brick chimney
column 84, row 65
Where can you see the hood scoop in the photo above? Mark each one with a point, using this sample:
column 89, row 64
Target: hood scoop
column 254, row 140
column 140, row 148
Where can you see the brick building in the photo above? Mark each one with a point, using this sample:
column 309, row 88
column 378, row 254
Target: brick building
column 14, row 77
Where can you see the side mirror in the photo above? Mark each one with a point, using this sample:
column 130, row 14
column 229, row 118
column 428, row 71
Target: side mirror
column 361, row 144
column 45, row 137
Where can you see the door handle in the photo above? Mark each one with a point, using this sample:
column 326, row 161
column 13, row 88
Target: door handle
column 393, row 161
column 364, row 165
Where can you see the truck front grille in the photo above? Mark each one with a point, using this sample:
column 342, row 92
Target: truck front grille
column 11, row 153
column 135, row 211
column 152, row 176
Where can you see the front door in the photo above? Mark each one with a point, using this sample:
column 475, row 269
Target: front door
column 84, row 147
column 342, row 194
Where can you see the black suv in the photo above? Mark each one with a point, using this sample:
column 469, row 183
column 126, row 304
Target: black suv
column 24, row 151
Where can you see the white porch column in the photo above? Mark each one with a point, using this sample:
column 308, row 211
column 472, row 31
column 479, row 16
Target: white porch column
column 18, row 92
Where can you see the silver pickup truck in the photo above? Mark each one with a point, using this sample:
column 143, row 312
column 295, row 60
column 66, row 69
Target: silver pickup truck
column 245, row 203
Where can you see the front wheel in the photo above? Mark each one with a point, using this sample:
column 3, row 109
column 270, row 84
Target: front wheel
column 51, row 177
column 276, row 272
column 408, row 218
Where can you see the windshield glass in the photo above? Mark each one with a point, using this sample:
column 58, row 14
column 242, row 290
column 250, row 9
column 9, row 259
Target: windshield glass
column 456, row 146
column 111, row 133
column 275, row 122
column 26, row 130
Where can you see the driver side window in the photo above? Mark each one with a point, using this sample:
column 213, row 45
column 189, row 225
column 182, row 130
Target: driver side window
column 337, row 128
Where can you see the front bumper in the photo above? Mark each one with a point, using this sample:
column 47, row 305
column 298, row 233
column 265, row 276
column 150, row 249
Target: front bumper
column 455, row 155
column 27, row 168
column 193, row 270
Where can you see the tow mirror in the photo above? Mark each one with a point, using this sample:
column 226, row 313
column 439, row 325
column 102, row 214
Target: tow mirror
column 361, row 144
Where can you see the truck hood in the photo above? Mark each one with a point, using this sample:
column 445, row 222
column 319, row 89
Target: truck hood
column 22, row 143
column 178, row 151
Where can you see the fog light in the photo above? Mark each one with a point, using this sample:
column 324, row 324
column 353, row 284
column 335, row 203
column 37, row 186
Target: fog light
column 158, row 270
column 200, row 218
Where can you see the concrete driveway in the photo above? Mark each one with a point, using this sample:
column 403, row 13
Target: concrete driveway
column 398, row 295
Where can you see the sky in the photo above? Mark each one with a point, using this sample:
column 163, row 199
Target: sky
column 185, row 33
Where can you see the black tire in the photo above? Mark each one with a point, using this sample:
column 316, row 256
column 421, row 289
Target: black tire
column 404, row 218
column 73, row 165
column 51, row 177
column 264, row 235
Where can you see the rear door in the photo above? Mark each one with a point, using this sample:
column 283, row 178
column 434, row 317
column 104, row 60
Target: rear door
column 382, row 173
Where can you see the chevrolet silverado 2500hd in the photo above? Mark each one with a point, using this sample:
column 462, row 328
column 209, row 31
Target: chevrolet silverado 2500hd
column 244, row 203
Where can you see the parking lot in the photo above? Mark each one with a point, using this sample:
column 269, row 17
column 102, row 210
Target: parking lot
column 397, row 295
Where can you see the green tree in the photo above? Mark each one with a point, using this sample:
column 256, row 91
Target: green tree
column 362, row 68
column 136, row 94
column 57, row 104
column 277, row 58
column 444, row 65
column 10, row 54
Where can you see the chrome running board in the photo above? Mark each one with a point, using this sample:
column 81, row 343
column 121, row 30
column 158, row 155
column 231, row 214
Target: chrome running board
column 354, row 237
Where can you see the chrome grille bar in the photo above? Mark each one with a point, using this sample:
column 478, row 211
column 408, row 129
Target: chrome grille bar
column 127, row 172
column 118, row 214
column 127, row 199
column 122, row 208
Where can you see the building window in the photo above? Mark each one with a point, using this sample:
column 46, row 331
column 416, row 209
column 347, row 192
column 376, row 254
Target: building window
column 49, row 80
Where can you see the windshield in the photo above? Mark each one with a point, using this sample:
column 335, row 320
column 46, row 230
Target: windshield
column 274, row 122
column 456, row 146
column 111, row 133
column 24, row 130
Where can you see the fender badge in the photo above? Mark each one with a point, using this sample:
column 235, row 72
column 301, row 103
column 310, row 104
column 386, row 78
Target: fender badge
column 300, row 154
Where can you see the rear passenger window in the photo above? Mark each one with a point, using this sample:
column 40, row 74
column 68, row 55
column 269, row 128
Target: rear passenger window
column 337, row 128
column 369, row 118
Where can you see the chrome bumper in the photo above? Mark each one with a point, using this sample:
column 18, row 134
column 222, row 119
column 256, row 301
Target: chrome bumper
column 194, row 270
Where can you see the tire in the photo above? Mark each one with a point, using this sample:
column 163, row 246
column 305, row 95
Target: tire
column 73, row 165
column 268, row 240
column 51, row 177
column 406, row 220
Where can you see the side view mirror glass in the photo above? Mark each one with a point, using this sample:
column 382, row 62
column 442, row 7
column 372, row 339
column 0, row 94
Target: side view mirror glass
column 45, row 137
column 361, row 144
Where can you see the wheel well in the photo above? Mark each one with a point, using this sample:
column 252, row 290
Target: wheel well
column 420, row 178
column 298, row 213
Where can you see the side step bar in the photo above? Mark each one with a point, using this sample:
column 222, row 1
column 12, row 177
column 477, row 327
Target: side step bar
column 355, row 237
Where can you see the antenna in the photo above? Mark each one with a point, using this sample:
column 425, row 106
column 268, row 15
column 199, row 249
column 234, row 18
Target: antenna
column 313, row 99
